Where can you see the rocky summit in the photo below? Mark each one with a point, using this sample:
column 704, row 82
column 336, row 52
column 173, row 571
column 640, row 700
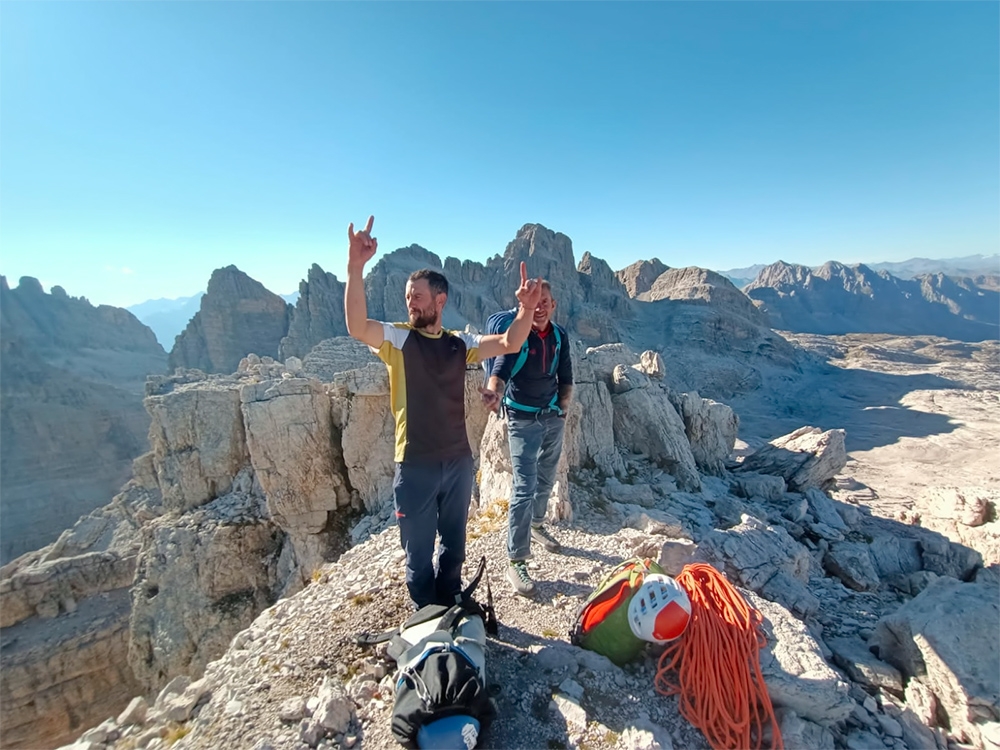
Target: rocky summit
column 215, row 601
column 237, row 315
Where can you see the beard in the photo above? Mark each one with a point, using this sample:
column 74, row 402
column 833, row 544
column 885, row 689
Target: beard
column 423, row 319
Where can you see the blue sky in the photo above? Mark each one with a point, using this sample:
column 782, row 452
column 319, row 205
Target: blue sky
column 144, row 144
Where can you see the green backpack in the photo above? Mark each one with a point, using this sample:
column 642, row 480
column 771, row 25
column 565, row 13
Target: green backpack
column 602, row 622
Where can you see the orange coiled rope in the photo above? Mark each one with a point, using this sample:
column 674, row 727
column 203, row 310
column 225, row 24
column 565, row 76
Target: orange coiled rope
column 714, row 667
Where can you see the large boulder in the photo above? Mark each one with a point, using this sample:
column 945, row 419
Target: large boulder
column 646, row 423
column 766, row 559
column 807, row 457
column 754, row 552
column 711, row 429
column 360, row 407
column 796, row 674
column 851, row 563
column 290, row 437
column 589, row 440
column 856, row 659
column 895, row 556
column 335, row 355
column 947, row 638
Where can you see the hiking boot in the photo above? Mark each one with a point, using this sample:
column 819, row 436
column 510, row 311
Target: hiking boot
column 544, row 538
column 518, row 576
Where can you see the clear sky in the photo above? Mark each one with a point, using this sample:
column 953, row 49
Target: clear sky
column 144, row 144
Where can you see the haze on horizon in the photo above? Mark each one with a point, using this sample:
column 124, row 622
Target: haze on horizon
column 146, row 144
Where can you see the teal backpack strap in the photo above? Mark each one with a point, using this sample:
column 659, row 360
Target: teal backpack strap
column 521, row 359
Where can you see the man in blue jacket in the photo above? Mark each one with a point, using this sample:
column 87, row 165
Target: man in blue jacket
column 535, row 398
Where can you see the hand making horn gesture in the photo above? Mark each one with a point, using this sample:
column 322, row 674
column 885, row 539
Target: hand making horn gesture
column 363, row 245
column 530, row 291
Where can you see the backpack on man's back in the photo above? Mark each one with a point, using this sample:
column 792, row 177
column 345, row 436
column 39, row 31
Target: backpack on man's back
column 498, row 323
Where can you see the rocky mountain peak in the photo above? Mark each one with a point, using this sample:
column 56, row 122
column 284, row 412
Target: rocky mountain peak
column 780, row 274
column 318, row 313
column 638, row 278
column 30, row 285
column 238, row 315
column 231, row 281
column 549, row 250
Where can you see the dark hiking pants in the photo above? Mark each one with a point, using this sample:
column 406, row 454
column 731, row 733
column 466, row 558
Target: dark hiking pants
column 431, row 498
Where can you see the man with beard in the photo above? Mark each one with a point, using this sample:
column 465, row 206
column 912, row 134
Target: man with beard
column 433, row 481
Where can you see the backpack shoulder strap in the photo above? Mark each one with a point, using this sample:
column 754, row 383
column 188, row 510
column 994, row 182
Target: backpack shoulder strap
column 371, row 639
column 522, row 357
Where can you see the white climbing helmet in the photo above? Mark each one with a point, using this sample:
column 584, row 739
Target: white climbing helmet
column 660, row 609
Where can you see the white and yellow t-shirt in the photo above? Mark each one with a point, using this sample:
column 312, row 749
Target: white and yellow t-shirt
column 427, row 390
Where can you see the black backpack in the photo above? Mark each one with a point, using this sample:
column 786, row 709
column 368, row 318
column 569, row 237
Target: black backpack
column 440, row 655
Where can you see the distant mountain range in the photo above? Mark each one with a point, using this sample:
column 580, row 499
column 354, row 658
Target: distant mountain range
column 968, row 266
column 168, row 317
column 837, row 299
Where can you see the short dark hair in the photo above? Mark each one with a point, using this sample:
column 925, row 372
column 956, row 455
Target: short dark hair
column 436, row 281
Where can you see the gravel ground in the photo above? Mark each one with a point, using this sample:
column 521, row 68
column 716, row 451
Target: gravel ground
column 284, row 657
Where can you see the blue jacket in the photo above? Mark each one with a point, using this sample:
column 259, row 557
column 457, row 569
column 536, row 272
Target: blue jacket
column 532, row 385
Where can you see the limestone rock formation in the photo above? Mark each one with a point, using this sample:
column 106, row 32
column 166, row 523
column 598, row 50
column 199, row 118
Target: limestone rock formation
column 645, row 422
column 200, row 579
column 941, row 639
column 318, row 313
column 711, row 429
column 807, row 457
column 245, row 560
column 638, row 278
column 71, row 416
column 837, row 299
column 237, row 316
column 331, row 356
column 797, row 675
column 715, row 340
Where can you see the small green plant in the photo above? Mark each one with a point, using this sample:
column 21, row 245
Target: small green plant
column 316, row 575
column 358, row 599
column 550, row 633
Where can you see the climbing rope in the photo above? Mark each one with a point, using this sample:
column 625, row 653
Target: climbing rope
column 714, row 667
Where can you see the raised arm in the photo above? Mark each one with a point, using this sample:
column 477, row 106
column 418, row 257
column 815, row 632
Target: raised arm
column 361, row 249
column 510, row 340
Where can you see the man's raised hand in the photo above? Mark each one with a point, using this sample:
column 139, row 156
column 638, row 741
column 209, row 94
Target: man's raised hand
column 362, row 245
column 530, row 291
